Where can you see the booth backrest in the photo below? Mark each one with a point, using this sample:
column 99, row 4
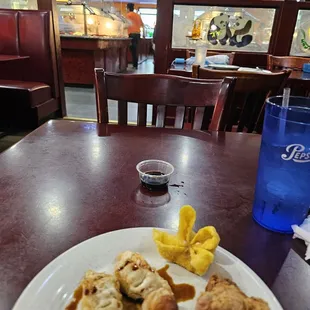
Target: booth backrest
column 29, row 33
column 9, row 32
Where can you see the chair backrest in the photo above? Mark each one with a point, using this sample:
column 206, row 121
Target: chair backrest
column 250, row 92
column 231, row 56
column 29, row 33
column 286, row 62
column 162, row 91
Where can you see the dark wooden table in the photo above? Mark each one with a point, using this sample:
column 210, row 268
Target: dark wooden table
column 295, row 77
column 299, row 76
column 6, row 58
column 63, row 184
column 299, row 80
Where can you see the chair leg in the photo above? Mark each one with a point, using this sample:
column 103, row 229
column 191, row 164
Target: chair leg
column 246, row 108
column 260, row 120
column 154, row 115
column 232, row 112
column 257, row 103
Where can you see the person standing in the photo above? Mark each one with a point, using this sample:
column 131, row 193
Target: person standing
column 135, row 23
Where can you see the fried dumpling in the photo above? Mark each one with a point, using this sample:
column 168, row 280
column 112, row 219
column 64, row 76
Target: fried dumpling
column 101, row 291
column 224, row 294
column 161, row 299
column 139, row 280
column 136, row 277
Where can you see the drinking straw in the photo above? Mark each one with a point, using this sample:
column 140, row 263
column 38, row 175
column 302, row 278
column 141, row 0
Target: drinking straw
column 286, row 97
column 283, row 114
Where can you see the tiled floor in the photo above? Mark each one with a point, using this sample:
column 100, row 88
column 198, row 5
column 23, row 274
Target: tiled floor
column 11, row 138
column 81, row 102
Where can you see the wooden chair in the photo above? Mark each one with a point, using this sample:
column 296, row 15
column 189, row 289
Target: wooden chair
column 162, row 91
column 250, row 93
column 298, row 88
column 286, row 62
column 231, row 56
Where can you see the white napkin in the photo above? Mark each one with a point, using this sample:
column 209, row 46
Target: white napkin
column 303, row 232
column 255, row 70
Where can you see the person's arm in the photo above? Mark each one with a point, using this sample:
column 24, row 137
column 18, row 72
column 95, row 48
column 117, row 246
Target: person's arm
column 141, row 22
column 141, row 25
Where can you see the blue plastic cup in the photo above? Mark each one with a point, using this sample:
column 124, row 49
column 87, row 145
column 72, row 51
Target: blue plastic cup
column 282, row 195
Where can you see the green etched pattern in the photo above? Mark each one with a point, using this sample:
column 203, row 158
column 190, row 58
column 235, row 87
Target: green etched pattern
column 303, row 40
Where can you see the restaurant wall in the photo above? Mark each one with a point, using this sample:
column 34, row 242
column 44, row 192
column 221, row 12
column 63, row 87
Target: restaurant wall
column 121, row 6
column 280, row 42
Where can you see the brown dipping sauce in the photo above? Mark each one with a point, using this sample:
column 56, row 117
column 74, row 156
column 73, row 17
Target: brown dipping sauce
column 77, row 296
column 154, row 173
column 153, row 187
column 183, row 291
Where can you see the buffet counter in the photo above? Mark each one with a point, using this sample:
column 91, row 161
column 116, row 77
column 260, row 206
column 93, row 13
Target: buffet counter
column 81, row 54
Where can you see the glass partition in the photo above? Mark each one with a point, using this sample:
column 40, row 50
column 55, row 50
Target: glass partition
column 223, row 28
column 83, row 20
column 148, row 16
column 301, row 38
column 19, row 4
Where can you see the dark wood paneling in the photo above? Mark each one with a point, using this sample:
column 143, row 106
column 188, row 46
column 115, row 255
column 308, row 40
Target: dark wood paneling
column 123, row 62
column 52, row 6
column 275, row 29
column 81, row 56
column 286, row 30
column 78, row 66
column 163, row 34
column 99, row 59
column 87, row 43
column 251, row 60
column 112, row 60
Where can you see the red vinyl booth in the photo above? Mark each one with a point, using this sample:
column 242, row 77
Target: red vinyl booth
column 29, row 90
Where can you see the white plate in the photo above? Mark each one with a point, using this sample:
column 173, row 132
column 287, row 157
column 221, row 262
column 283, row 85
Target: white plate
column 223, row 67
column 53, row 287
